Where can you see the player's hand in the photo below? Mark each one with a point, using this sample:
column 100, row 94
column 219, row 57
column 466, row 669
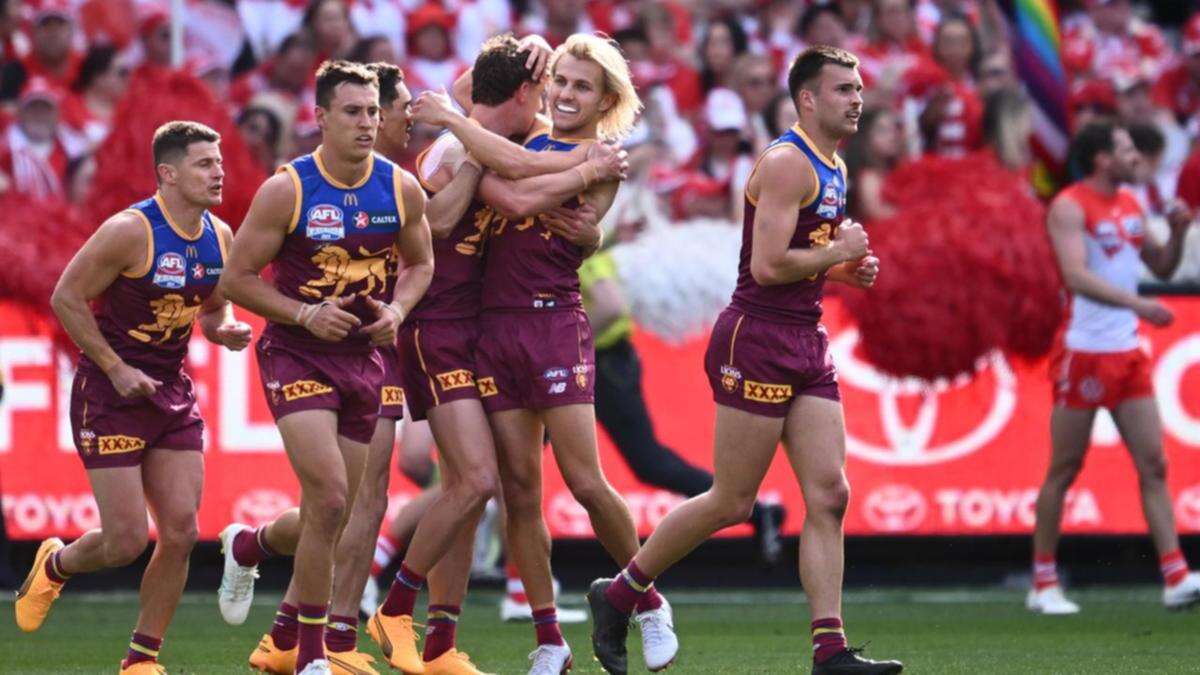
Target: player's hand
column 1155, row 312
column 851, row 241
column 434, row 108
column 329, row 320
column 1179, row 216
column 609, row 161
column 539, row 54
column 382, row 331
column 234, row 336
column 578, row 225
column 865, row 271
column 130, row 382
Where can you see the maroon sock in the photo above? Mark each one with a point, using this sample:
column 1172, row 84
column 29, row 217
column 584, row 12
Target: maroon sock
column 545, row 622
column 628, row 588
column 54, row 568
column 286, row 629
column 441, row 627
column 341, row 633
column 828, row 639
column 142, row 648
column 312, row 621
column 250, row 547
column 649, row 601
column 402, row 596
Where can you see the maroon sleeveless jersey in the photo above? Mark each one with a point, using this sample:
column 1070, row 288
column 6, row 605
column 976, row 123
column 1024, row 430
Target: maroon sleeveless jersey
column 820, row 215
column 147, row 316
column 340, row 243
column 527, row 267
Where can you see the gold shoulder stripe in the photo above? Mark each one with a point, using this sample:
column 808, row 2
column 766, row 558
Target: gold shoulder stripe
column 291, row 171
column 149, row 247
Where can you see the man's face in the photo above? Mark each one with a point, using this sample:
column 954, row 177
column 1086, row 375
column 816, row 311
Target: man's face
column 38, row 120
column 756, row 86
column 1123, row 166
column 397, row 123
column 577, row 94
column 350, row 124
column 198, row 175
column 894, row 19
column 293, row 66
column 837, row 99
column 52, row 39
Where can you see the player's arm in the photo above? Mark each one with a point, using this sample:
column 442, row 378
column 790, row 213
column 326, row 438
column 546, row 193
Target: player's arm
column 257, row 243
column 454, row 182
column 415, row 247
column 1066, row 225
column 216, row 319
column 119, row 246
column 856, row 273
column 1163, row 258
column 581, row 226
column 530, row 196
column 784, row 178
column 505, row 158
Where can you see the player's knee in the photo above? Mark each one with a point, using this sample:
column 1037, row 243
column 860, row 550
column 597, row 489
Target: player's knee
column 180, row 536
column 590, row 491
column 736, row 510
column 418, row 469
column 123, row 545
column 329, row 509
column 1063, row 473
column 1153, row 468
column 481, row 485
column 830, row 498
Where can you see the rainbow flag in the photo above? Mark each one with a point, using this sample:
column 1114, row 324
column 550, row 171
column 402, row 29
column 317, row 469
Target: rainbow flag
column 1036, row 42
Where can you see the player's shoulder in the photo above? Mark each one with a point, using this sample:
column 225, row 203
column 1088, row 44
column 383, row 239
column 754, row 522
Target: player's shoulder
column 127, row 223
column 1070, row 203
column 784, row 160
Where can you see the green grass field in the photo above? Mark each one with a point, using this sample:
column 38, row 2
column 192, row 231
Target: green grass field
column 1122, row 630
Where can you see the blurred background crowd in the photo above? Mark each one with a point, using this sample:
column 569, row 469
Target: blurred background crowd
column 941, row 80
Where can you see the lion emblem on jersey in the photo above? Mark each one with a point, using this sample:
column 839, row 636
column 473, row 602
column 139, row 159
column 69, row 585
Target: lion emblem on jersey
column 340, row 271
column 170, row 314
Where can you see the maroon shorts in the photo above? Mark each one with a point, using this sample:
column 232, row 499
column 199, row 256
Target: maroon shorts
column 759, row 366
column 535, row 360
column 348, row 383
column 111, row 430
column 391, row 392
column 437, row 362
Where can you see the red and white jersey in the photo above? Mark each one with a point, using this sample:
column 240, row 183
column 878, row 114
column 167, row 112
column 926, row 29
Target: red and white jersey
column 1141, row 51
column 1114, row 232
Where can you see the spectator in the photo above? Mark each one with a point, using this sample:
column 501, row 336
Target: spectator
column 821, row 25
column 555, row 20
column 780, row 114
column 211, row 72
column 287, row 76
column 1178, row 90
column 870, row 155
column 856, row 14
column 261, row 131
column 754, row 80
column 726, row 155
column 1109, row 40
column 100, row 85
column 658, row 22
column 1007, row 126
column 480, row 19
column 14, row 45
column 995, row 72
column 894, row 45
column 51, row 57
column 1150, row 145
column 328, row 22
column 953, row 112
column 373, row 50
column 1091, row 100
column 724, row 40
column 432, row 63
column 36, row 157
column 1136, row 106
column 154, row 28
column 382, row 19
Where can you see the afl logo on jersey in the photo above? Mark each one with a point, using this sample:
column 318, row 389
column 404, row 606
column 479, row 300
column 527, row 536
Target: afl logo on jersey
column 831, row 202
column 171, row 271
column 325, row 223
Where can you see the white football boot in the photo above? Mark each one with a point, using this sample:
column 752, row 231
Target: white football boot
column 237, row 582
column 1183, row 594
column 1050, row 600
column 550, row 660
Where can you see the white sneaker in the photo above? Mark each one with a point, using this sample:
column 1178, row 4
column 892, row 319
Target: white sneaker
column 550, row 660
column 318, row 667
column 1050, row 600
column 659, row 643
column 237, row 582
column 370, row 597
column 1183, row 594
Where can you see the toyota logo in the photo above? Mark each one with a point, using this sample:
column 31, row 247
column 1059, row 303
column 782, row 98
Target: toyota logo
column 990, row 396
column 260, row 506
column 895, row 508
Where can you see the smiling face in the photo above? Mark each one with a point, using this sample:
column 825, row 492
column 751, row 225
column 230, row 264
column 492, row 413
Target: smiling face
column 349, row 125
column 577, row 96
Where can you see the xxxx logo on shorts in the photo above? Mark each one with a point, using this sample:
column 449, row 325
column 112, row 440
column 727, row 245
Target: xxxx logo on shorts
column 304, row 389
column 487, row 387
column 455, row 379
column 766, row 393
column 391, row 395
column 115, row 445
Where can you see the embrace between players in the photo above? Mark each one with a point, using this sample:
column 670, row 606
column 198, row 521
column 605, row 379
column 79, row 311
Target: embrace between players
column 455, row 293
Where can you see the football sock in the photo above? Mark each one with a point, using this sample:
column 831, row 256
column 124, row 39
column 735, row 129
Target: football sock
column 402, row 596
column 441, row 627
column 828, row 639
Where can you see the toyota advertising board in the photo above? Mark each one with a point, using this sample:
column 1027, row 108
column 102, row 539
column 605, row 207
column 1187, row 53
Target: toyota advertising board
column 963, row 457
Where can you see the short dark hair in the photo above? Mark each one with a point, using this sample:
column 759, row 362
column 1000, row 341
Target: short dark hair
column 390, row 76
column 333, row 73
column 1147, row 139
column 1092, row 139
column 814, row 12
column 976, row 42
column 809, row 63
column 499, row 71
column 297, row 40
column 96, row 62
column 361, row 51
column 172, row 139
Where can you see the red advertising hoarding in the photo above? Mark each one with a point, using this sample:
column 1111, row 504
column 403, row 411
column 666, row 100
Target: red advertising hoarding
column 962, row 458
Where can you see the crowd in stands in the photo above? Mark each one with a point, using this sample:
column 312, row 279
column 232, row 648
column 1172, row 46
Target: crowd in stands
column 939, row 74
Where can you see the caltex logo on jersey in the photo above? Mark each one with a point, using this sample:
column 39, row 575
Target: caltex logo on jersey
column 361, row 220
column 198, row 270
column 325, row 223
column 170, row 272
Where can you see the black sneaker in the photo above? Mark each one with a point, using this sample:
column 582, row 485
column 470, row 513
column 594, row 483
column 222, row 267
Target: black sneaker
column 609, row 630
column 849, row 661
column 768, row 528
